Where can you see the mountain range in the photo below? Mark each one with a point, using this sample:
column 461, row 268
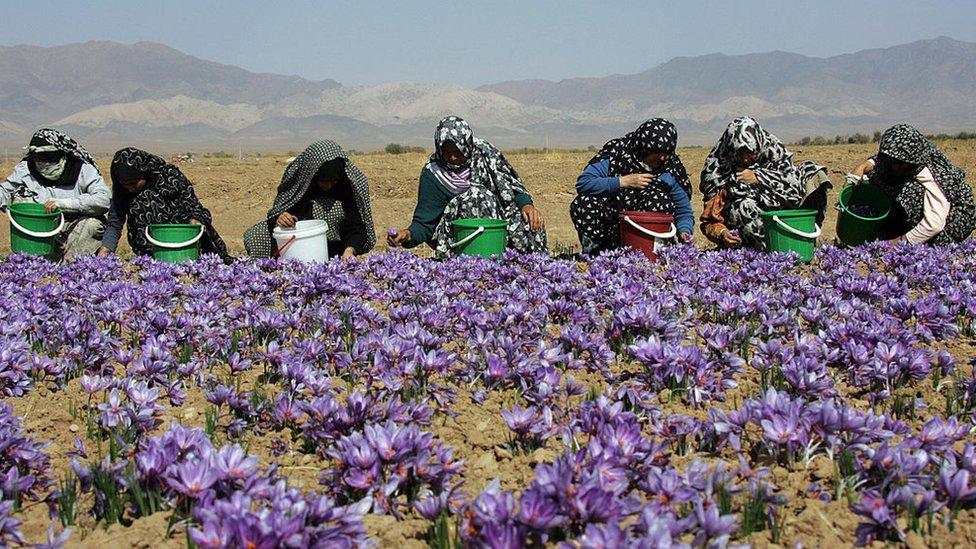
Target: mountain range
column 109, row 94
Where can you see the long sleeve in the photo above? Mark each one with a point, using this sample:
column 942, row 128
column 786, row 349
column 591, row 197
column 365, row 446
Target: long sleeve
column 6, row 193
column 935, row 211
column 116, row 219
column 19, row 185
column 684, row 217
column 596, row 180
column 93, row 198
column 432, row 198
column 712, row 220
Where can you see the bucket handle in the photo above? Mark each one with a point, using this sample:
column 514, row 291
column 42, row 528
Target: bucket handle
column 814, row 234
column 174, row 245
column 468, row 238
column 284, row 246
column 652, row 234
column 29, row 232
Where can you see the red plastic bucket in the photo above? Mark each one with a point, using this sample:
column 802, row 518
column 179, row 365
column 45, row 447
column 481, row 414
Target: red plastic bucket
column 646, row 231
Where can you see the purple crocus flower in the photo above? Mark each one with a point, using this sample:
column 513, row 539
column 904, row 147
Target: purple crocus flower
column 955, row 485
column 878, row 522
column 230, row 462
column 538, row 511
column 112, row 412
column 193, row 478
column 712, row 526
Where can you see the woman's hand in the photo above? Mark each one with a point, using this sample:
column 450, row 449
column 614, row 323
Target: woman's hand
column 746, row 176
column 685, row 238
column 103, row 252
column 397, row 239
column 349, row 253
column 636, row 181
column 50, row 206
column 865, row 167
column 532, row 216
column 195, row 222
column 729, row 239
column 286, row 220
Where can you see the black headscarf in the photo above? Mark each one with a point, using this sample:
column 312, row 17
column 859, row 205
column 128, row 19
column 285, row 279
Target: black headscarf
column 626, row 153
column 168, row 197
column 75, row 155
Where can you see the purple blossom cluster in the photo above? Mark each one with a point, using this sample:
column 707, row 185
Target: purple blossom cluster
column 24, row 473
column 619, row 477
column 232, row 501
column 729, row 360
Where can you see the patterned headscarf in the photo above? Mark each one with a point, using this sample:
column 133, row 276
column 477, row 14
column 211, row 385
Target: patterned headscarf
column 168, row 197
column 906, row 144
column 299, row 176
column 780, row 184
column 486, row 164
column 626, row 154
column 47, row 139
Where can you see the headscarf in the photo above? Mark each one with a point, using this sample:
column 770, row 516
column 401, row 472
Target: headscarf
column 485, row 165
column 456, row 178
column 626, row 154
column 906, row 144
column 49, row 140
column 168, row 197
column 779, row 182
column 300, row 174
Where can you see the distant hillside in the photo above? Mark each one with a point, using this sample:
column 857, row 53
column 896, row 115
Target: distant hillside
column 108, row 94
column 62, row 80
column 931, row 83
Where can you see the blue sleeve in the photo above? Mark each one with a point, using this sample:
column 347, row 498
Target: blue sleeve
column 684, row 217
column 521, row 199
column 596, row 179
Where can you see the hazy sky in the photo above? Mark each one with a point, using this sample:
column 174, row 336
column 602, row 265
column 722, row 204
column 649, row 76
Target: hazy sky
column 474, row 43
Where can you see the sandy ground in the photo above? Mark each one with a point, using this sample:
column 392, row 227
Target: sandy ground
column 239, row 192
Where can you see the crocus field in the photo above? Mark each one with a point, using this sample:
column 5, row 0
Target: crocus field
column 709, row 399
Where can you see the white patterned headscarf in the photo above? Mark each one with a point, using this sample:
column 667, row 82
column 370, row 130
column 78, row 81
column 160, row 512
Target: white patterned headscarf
column 66, row 171
column 486, row 165
column 780, row 183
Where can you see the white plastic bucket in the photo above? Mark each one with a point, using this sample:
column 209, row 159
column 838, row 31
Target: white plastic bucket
column 306, row 241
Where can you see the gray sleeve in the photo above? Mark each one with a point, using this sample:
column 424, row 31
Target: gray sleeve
column 113, row 229
column 6, row 191
column 93, row 195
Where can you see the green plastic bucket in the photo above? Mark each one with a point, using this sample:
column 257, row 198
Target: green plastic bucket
column 856, row 228
column 175, row 243
column 482, row 237
column 792, row 231
column 32, row 230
